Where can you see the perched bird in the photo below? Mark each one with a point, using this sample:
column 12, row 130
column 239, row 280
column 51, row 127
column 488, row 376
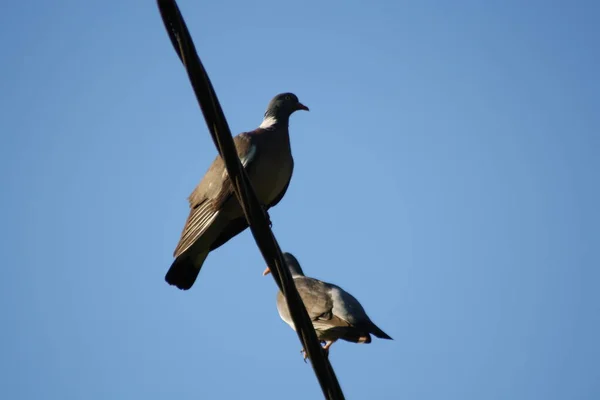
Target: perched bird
column 215, row 214
column 335, row 313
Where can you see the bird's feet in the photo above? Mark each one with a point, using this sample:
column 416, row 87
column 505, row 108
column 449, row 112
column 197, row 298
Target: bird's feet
column 325, row 349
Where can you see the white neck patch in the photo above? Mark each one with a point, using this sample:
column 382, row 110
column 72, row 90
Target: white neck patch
column 268, row 122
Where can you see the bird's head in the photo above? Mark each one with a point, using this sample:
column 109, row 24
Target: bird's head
column 282, row 106
column 292, row 263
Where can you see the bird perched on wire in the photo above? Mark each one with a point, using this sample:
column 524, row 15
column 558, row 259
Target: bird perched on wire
column 335, row 313
column 215, row 213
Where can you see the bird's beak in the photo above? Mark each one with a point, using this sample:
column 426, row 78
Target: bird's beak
column 266, row 272
column 301, row 106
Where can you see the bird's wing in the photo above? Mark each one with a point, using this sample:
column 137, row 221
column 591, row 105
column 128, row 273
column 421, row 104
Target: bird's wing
column 199, row 219
column 212, row 192
column 316, row 296
column 318, row 302
column 346, row 307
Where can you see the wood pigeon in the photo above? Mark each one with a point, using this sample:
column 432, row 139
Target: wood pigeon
column 335, row 313
column 215, row 214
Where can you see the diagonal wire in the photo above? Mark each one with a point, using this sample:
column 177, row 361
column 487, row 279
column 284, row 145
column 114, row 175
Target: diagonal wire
column 221, row 135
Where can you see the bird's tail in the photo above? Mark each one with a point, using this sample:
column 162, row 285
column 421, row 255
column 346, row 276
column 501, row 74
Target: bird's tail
column 185, row 270
column 379, row 333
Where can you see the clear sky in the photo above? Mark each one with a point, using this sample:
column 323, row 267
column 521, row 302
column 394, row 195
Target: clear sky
column 446, row 176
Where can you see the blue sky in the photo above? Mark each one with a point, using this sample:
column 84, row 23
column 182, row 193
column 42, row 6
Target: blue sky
column 446, row 176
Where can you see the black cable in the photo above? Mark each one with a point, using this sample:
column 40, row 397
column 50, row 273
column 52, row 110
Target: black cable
column 221, row 135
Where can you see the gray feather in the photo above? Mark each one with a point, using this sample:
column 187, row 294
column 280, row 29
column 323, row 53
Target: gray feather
column 335, row 313
column 215, row 215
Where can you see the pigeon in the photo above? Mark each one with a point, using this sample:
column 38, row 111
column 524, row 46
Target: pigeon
column 335, row 313
column 215, row 213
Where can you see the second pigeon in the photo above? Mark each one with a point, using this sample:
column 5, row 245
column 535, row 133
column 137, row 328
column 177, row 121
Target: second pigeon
column 335, row 313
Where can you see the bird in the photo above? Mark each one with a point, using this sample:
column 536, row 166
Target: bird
column 215, row 214
column 335, row 313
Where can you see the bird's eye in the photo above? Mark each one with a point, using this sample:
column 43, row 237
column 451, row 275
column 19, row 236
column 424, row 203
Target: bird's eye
column 288, row 97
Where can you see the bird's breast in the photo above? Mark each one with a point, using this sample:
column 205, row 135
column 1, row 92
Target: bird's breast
column 272, row 175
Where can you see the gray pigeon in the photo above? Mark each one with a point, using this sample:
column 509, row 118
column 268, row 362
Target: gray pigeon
column 335, row 313
column 215, row 214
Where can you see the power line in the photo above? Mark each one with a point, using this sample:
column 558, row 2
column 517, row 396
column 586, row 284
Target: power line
column 265, row 240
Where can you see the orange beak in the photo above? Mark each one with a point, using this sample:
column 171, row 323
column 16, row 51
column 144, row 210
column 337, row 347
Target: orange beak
column 266, row 272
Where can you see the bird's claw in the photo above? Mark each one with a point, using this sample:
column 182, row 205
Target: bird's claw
column 324, row 348
column 304, row 355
